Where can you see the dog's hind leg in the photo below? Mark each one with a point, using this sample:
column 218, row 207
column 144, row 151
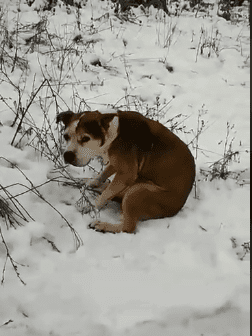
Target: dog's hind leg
column 143, row 201
column 147, row 201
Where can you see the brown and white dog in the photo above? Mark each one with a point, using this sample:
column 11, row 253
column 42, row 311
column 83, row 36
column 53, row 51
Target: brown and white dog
column 154, row 170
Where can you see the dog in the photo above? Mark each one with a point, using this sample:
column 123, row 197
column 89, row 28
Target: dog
column 154, row 169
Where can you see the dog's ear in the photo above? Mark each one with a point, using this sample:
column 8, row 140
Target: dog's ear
column 111, row 131
column 105, row 120
column 113, row 128
column 64, row 117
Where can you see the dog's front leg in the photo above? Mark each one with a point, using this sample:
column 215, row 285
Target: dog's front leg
column 117, row 186
column 99, row 180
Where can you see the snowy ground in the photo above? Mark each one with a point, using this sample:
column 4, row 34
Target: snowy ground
column 187, row 275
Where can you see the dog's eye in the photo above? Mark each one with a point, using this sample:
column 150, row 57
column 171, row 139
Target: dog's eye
column 66, row 137
column 85, row 139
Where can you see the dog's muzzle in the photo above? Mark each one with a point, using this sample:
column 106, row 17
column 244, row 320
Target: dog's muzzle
column 69, row 157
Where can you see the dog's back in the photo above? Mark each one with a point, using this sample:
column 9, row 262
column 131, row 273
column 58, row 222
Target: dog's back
column 164, row 159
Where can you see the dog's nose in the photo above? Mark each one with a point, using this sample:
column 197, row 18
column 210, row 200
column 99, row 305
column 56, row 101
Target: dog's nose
column 69, row 157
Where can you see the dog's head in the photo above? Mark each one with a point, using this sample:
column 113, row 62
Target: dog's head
column 87, row 135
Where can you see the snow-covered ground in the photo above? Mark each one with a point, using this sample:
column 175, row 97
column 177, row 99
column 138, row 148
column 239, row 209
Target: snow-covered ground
column 186, row 275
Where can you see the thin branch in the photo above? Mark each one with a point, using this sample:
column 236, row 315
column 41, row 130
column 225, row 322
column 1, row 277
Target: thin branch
column 26, row 110
column 12, row 261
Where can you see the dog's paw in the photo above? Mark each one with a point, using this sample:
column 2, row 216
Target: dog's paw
column 87, row 209
column 105, row 227
column 92, row 183
column 84, row 209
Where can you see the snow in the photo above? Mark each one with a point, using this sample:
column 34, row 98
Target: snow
column 185, row 275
